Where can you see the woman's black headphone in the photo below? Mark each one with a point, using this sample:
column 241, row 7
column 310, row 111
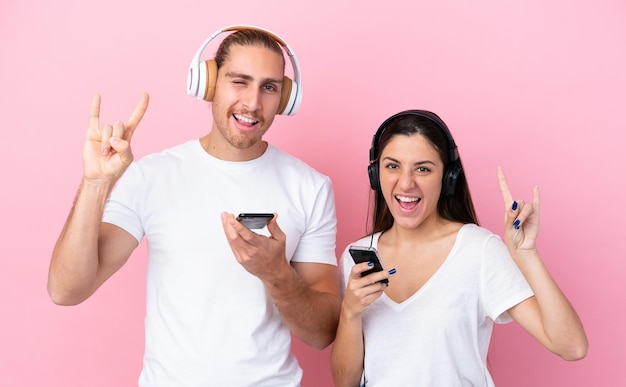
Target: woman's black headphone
column 453, row 169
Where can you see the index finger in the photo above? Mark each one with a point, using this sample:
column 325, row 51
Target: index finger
column 504, row 187
column 94, row 113
column 136, row 117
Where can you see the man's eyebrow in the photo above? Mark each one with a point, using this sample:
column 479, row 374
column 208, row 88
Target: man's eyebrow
column 247, row 77
column 237, row 75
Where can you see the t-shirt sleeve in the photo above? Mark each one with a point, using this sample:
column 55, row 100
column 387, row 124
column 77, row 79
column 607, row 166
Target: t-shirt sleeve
column 317, row 243
column 345, row 266
column 502, row 283
column 121, row 209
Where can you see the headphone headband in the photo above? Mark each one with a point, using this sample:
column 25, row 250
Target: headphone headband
column 201, row 78
column 453, row 150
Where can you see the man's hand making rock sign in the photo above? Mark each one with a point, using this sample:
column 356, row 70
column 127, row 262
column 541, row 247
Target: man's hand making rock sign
column 88, row 251
column 107, row 152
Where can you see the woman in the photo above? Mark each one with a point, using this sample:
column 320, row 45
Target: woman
column 430, row 325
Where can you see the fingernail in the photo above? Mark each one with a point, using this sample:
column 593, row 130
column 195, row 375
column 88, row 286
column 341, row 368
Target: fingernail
column 392, row 271
column 514, row 206
column 516, row 224
column 370, row 264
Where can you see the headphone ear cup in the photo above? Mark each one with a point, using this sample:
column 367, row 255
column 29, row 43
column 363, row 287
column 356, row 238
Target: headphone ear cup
column 285, row 95
column 373, row 173
column 450, row 178
column 290, row 97
column 201, row 80
column 207, row 87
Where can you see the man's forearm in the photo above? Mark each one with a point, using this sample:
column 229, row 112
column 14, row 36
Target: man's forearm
column 310, row 311
column 74, row 261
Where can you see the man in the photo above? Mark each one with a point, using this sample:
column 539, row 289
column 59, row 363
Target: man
column 222, row 300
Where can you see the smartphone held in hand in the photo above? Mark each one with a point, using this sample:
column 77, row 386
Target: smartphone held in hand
column 255, row 220
column 367, row 254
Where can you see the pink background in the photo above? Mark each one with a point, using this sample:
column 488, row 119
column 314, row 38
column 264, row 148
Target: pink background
column 534, row 86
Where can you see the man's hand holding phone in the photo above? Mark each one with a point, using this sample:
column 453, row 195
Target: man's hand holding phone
column 262, row 256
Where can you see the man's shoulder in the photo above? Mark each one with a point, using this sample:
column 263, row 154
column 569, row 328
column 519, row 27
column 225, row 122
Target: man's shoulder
column 286, row 159
column 178, row 151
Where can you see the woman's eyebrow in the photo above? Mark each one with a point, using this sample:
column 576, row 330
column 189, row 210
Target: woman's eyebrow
column 422, row 162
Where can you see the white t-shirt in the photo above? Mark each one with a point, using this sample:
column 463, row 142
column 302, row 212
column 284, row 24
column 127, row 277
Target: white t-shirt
column 208, row 321
column 440, row 335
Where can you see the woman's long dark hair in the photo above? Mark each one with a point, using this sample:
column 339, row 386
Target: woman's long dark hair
column 457, row 207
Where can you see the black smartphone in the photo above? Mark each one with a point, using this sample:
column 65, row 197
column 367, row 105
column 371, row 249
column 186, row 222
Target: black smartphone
column 255, row 220
column 367, row 254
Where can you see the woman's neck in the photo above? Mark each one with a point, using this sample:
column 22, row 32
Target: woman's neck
column 427, row 232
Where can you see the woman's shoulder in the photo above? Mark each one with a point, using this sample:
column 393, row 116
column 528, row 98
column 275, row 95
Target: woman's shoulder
column 474, row 231
column 368, row 240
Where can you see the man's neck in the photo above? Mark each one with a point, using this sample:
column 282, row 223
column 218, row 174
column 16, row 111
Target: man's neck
column 217, row 146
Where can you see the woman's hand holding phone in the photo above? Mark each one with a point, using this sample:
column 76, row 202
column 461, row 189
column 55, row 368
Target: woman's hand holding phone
column 367, row 281
column 362, row 254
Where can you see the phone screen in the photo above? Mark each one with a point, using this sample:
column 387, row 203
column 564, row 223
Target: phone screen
column 255, row 220
column 367, row 254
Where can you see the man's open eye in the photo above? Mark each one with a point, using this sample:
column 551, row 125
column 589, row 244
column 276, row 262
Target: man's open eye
column 270, row 88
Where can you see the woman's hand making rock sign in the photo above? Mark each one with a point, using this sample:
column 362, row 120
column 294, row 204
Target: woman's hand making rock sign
column 521, row 219
column 547, row 315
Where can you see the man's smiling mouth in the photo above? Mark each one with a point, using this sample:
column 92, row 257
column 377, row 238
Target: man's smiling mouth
column 244, row 119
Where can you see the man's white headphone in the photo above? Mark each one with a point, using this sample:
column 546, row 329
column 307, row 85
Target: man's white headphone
column 202, row 76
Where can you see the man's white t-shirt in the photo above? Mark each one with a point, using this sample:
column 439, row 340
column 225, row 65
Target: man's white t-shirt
column 208, row 321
